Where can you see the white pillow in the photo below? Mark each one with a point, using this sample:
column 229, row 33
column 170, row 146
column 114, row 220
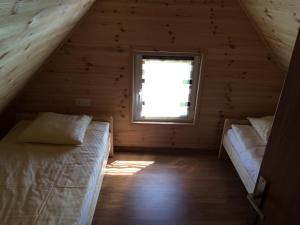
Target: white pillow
column 53, row 128
column 263, row 126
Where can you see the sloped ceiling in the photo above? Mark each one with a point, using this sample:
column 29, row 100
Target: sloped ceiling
column 278, row 21
column 29, row 31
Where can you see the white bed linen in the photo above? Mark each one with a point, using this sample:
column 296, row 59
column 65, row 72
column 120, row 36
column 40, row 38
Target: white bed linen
column 50, row 184
column 249, row 151
column 247, row 136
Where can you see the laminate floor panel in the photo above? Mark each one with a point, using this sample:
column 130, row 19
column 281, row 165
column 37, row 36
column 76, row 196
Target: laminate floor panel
column 165, row 189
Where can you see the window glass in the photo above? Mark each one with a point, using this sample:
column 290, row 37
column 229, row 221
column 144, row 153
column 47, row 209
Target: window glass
column 165, row 87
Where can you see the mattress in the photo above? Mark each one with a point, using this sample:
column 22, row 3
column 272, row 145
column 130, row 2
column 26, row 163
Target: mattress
column 250, row 151
column 50, row 184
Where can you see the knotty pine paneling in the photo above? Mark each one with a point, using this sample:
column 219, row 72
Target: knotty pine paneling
column 239, row 79
column 29, row 31
column 278, row 21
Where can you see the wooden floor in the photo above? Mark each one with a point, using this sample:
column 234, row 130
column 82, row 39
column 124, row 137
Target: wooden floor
column 171, row 190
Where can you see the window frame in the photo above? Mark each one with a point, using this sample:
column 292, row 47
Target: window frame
column 137, row 81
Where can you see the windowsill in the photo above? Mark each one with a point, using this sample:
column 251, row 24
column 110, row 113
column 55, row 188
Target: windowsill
column 165, row 123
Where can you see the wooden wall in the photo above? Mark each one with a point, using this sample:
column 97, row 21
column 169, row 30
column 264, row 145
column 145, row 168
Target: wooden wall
column 239, row 77
column 29, row 31
column 278, row 21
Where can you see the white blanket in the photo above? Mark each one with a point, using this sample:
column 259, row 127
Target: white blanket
column 49, row 184
column 249, row 147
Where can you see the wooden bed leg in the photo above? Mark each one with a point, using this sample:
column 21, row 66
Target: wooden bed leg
column 111, row 150
column 111, row 146
column 222, row 152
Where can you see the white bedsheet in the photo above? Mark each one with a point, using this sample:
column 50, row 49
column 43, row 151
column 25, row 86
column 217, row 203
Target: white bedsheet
column 249, row 150
column 247, row 136
column 49, row 184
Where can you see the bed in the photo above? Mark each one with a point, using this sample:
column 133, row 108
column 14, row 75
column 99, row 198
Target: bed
column 43, row 184
column 245, row 149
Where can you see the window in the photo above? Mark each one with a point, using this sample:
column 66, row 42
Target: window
column 165, row 87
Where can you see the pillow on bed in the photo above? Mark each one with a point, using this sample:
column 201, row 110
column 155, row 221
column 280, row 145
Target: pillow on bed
column 53, row 128
column 263, row 126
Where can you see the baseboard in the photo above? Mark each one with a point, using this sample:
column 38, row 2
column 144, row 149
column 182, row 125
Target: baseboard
column 165, row 150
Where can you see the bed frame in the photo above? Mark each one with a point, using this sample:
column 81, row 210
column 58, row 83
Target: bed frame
column 99, row 184
column 226, row 146
column 110, row 153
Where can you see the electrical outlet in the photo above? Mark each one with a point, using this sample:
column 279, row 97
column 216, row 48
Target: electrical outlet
column 83, row 102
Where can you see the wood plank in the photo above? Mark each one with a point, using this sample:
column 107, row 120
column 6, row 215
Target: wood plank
column 240, row 78
column 182, row 189
column 278, row 22
column 29, row 32
column 280, row 166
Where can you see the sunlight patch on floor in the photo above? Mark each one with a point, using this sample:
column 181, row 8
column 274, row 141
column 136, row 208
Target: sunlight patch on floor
column 120, row 167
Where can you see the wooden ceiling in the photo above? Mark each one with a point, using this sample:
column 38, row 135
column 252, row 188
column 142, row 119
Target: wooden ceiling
column 29, row 31
column 278, row 22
